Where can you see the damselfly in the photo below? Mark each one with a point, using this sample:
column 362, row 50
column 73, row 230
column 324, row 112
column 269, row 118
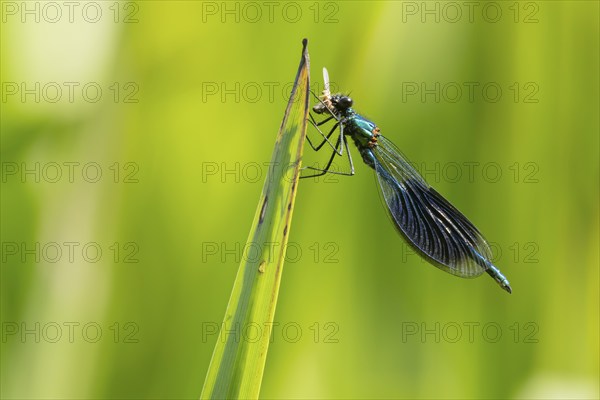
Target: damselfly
column 427, row 221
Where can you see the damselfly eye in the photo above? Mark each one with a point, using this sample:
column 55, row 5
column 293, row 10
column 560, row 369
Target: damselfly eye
column 344, row 102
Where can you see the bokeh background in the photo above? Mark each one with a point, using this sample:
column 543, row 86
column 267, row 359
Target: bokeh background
column 135, row 138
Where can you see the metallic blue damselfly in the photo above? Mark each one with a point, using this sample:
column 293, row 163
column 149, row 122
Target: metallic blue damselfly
column 428, row 222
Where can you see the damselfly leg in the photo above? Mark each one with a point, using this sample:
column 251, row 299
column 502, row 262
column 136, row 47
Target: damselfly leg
column 338, row 148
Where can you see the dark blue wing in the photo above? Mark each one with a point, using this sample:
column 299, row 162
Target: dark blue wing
column 429, row 223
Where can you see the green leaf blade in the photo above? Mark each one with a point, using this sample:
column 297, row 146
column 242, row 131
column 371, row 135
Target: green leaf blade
column 238, row 361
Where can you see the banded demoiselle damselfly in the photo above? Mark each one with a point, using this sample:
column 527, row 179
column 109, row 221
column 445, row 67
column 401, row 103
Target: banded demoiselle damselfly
column 426, row 220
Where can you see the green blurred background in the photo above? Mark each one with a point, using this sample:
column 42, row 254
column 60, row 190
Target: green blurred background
column 192, row 95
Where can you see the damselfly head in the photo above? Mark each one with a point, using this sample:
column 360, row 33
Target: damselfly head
column 336, row 104
column 341, row 102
